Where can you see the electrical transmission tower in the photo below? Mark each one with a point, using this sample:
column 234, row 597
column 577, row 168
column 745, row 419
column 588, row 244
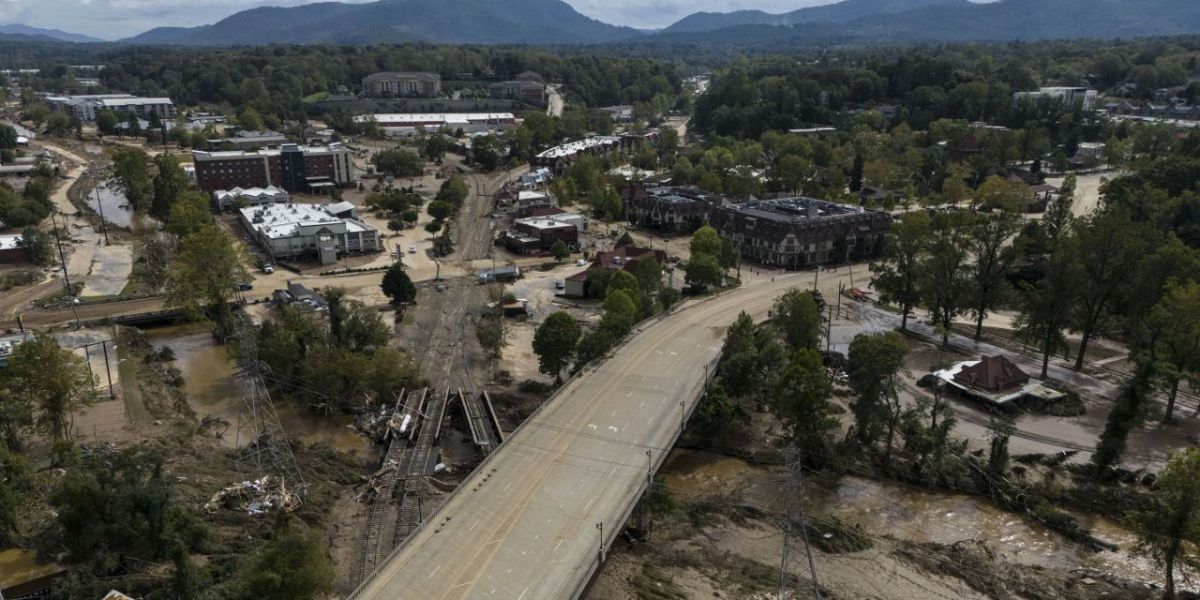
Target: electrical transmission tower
column 266, row 451
column 795, row 499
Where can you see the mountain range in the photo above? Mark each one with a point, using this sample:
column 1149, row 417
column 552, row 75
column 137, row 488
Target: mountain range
column 18, row 31
column 556, row 22
column 440, row 21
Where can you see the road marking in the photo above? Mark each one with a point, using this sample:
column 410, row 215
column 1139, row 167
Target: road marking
column 434, row 572
column 522, row 596
column 614, row 413
column 589, row 504
column 556, row 546
column 642, row 405
column 472, row 527
column 506, row 487
column 629, row 395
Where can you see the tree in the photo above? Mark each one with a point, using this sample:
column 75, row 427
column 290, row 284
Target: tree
column 898, row 275
column 1044, row 306
column 998, row 193
column 454, row 190
column 668, row 298
column 706, row 241
column 399, row 163
column 620, row 313
column 133, row 175
column 648, row 274
column 943, row 281
column 703, row 271
column 443, row 245
column 352, row 326
column 990, row 263
column 250, row 120
column 1180, row 307
column 8, row 137
column 593, row 346
column 435, row 147
column 1110, row 248
column 189, row 214
column 802, row 399
column 1169, row 529
column 37, row 244
column 872, row 370
column 169, row 182
column 15, row 480
column 440, row 210
column 485, row 151
column 560, row 251
column 205, row 274
column 555, row 343
column 799, row 317
column 52, row 383
column 292, row 565
column 397, row 286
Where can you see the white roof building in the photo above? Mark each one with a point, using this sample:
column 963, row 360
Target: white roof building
column 297, row 231
column 248, row 196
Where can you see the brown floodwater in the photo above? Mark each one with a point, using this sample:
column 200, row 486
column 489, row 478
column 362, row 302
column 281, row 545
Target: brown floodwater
column 214, row 391
column 903, row 512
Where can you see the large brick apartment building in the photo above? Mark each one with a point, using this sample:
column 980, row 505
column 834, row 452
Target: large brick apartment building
column 297, row 169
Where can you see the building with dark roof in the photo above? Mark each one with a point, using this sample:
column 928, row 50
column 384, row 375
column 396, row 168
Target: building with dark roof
column 397, row 84
column 794, row 233
column 530, row 92
column 992, row 374
column 670, row 208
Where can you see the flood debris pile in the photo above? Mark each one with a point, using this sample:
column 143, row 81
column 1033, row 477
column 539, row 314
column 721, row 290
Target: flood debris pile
column 259, row 496
column 376, row 481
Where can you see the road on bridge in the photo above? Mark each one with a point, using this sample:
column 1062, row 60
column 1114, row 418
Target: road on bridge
column 524, row 526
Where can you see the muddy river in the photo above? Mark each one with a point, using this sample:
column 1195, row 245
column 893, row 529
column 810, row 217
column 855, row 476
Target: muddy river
column 903, row 512
column 214, row 391
column 109, row 200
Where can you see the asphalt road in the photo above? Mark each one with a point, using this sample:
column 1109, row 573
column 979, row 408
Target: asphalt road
column 524, row 525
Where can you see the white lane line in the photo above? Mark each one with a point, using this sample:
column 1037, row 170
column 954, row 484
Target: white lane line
column 642, row 405
column 589, row 504
column 522, row 596
column 630, row 394
column 560, row 541
column 434, row 571
column 506, row 487
column 472, row 527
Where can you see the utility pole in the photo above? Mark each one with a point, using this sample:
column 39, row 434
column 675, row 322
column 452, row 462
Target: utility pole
column 100, row 209
column 829, row 331
column 795, row 493
column 62, row 257
column 600, row 526
column 816, row 276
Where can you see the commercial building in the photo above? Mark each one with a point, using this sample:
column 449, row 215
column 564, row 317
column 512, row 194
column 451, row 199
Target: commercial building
column 1067, row 95
column 793, row 233
column 295, row 168
column 624, row 257
column 249, row 140
column 394, row 84
column 12, row 250
column 670, row 208
column 996, row 380
column 531, row 92
column 409, row 123
column 85, row 107
column 243, row 197
column 320, row 232
column 559, row 158
column 533, row 235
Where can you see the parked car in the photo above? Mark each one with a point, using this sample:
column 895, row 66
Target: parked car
column 558, row 285
column 244, row 286
column 412, row 249
column 267, row 268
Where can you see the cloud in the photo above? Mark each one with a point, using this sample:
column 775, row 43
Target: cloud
column 116, row 19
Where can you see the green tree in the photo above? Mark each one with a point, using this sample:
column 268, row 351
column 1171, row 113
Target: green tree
column 703, row 271
column 555, row 343
column 1044, row 305
column 986, row 241
column 169, row 182
column 998, row 193
column 648, row 274
column 594, row 345
column 1179, row 310
column 454, row 190
column 189, row 214
column 486, row 152
column 706, row 241
column 37, row 244
column 872, row 371
column 943, row 282
column 803, row 400
column 397, row 285
column 898, row 275
column 250, row 120
column 53, row 383
column 560, row 251
column 133, row 175
column 668, row 298
column 440, row 210
column 799, row 318
column 293, row 564
column 205, row 273
column 1169, row 530
column 8, row 137
column 15, row 481
column 399, row 163
column 620, row 313
column 443, row 245
column 352, row 326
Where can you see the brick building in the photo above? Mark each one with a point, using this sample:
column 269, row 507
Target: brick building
column 536, row 234
column 296, row 169
column 676, row 209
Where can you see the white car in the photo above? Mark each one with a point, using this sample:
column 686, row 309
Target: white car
column 412, row 249
column 580, row 263
column 268, row 269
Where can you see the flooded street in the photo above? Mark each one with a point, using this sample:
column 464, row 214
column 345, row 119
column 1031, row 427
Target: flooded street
column 109, row 200
column 899, row 511
column 214, row 391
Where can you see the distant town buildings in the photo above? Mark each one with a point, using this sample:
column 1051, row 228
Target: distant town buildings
column 793, row 233
column 533, row 235
column 528, row 91
column 295, row 168
column 319, row 232
column 1068, row 95
column 86, row 107
column 559, row 158
column 394, row 84
column 248, row 139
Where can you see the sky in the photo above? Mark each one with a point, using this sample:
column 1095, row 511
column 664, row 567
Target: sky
column 115, row 19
